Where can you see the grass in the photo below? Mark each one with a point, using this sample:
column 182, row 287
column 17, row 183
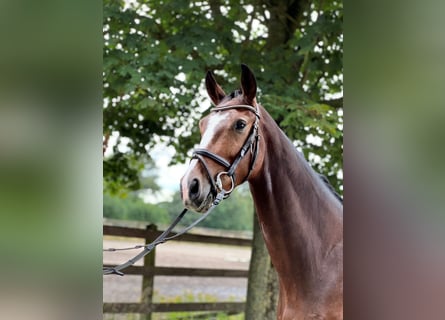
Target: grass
column 188, row 296
column 176, row 316
column 185, row 297
column 196, row 316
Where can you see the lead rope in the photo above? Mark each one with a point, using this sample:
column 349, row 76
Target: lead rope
column 162, row 238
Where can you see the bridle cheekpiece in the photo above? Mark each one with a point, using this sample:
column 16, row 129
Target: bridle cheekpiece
column 251, row 143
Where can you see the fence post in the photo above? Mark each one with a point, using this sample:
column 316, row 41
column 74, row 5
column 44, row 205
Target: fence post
column 148, row 277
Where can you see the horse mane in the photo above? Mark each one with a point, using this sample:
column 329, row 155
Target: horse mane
column 330, row 187
column 323, row 178
column 325, row 181
column 235, row 94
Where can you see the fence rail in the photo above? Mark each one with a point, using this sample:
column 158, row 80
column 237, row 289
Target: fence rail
column 232, row 307
column 142, row 233
column 149, row 271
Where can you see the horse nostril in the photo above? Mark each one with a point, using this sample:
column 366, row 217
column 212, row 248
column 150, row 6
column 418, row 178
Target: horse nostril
column 194, row 189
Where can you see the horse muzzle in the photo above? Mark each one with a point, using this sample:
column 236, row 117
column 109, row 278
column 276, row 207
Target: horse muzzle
column 196, row 193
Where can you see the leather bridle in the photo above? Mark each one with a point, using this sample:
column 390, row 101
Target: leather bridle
column 251, row 143
column 218, row 191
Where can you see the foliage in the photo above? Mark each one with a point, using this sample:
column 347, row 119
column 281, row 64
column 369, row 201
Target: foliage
column 121, row 172
column 133, row 208
column 235, row 214
column 124, row 173
column 156, row 54
column 190, row 297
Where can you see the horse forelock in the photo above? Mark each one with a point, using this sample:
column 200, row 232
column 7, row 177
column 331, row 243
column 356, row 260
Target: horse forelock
column 235, row 94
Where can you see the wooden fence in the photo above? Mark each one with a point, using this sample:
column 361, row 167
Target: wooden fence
column 149, row 271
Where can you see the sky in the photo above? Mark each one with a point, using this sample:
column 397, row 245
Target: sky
column 168, row 176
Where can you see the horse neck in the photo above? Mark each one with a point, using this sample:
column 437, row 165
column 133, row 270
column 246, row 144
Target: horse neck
column 300, row 219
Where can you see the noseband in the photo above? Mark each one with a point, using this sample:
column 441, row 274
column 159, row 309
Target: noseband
column 250, row 143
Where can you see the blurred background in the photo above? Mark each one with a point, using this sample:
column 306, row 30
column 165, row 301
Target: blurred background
column 50, row 159
column 57, row 57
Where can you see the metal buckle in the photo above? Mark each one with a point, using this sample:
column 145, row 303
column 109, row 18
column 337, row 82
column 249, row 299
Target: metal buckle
column 219, row 184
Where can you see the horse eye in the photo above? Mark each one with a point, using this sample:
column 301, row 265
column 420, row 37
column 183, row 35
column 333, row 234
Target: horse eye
column 240, row 125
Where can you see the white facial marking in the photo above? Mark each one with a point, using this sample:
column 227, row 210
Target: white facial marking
column 212, row 125
column 214, row 120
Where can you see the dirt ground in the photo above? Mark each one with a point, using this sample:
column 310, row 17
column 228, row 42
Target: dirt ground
column 179, row 254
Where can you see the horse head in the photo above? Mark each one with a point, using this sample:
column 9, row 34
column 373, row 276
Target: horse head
column 228, row 148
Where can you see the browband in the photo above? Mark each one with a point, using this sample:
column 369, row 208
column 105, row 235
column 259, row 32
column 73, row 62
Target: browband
column 237, row 106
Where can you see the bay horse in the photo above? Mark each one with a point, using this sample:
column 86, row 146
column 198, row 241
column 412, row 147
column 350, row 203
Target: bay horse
column 301, row 219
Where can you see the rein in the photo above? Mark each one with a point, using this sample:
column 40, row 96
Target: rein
column 250, row 143
column 163, row 237
column 216, row 188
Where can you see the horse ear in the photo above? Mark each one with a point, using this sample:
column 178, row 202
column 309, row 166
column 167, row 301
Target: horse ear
column 248, row 84
column 215, row 92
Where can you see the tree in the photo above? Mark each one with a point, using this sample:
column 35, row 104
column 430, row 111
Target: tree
column 157, row 52
column 263, row 288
